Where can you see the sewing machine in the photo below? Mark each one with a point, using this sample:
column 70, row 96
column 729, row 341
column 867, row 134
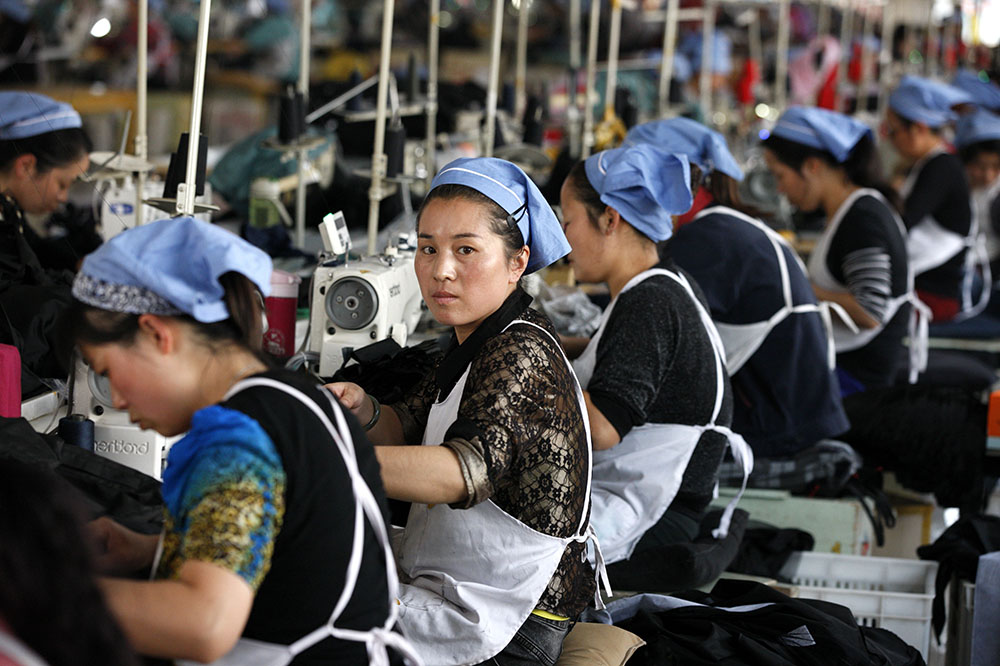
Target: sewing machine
column 115, row 437
column 358, row 302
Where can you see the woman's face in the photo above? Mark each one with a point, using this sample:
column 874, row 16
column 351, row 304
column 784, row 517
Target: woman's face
column 44, row 191
column 144, row 383
column 904, row 138
column 586, row 240
column 461, row 265
column 797, row 187
column 983, row 169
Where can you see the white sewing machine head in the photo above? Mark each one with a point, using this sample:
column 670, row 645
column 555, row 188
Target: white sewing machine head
column 361, row 302
column 115, row 437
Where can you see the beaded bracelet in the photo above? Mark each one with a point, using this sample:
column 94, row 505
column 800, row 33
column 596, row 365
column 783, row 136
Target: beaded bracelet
column 376, row 412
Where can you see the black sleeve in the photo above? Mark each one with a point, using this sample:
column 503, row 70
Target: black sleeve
column 995, row 214
column 634, row 354
column 863, row 257
column 942, row 191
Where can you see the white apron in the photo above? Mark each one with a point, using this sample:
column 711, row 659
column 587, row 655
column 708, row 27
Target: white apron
column 741, row 341
column 847, row 338
column 929, row 245
column 250, row 652
column 637, row 479
column 473, row 576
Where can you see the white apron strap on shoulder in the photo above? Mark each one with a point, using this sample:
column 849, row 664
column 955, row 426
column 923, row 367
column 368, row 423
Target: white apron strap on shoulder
column 918, row 332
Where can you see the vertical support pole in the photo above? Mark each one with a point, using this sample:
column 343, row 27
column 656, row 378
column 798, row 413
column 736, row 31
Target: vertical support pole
column 588, row 110
column 375, row 192
column 667, row 63
column 614, row 43
column 864, row 81
column 432, row 88
column 521, row 71
column 781, row 64
column 303, row 87
column 705, row 76
column 885, row 57
column 846, row 37
column 186, row 190
column 141, row 130
column 573, row 115
column 489, row 130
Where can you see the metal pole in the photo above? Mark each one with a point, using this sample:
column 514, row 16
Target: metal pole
column 669, row 44
column 864, row 81
column 588, row 111
column 885, row 57
column 432, row 89
column 521, row 71
column 375, row 193
column 823, row 20
column 494, row 83
column 846, row 36
column 141, row 149
column 303, row 154
column 573, row 111
column 614, row 40
column 186, row 190
column 781, row 62
column 705, row 76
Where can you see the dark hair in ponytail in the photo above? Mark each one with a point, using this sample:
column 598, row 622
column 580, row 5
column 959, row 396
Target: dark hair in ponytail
column 89, row 325
column 57, row 148
column 861, row 166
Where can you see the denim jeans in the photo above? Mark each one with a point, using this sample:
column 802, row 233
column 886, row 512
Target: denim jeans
column 538, row 641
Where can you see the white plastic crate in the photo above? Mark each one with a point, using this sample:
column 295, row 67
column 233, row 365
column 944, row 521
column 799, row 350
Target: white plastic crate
column 886, row 592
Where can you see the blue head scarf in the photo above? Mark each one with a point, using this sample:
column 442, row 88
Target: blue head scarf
column 984, row 93
column 169, row 267
column 644, row 184
column 704, row 147
column 24, row 115
column 511, row 189
column 826, row 130
column 976, row 127
column 924, row 101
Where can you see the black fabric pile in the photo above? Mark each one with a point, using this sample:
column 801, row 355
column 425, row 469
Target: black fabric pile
column 389, row 371
column 103, row 487
column 787, row 632
column 933, row 438
column 765, row 549
column 957, row 553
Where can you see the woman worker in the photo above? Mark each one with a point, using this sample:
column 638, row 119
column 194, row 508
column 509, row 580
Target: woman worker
column 826, row 160
column 786, row 396
column 977, row 137
column 936, row 195
column 492, row 559
column 657, row 391
column 42, row 151
column 274, row 548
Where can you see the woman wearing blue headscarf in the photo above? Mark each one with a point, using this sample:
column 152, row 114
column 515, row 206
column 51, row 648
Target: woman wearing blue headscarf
column 492, row 559
column 657, row 392
column 256, row 563
column 826, row 160
column 977, row 137
column 935, row 193
column 777, row 349
column 43, row 149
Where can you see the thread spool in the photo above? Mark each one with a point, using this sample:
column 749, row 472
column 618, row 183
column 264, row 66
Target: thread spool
column 177, row 168
column 395, row 143
column 78, row 430
column 290, row 117
column 412, row 80
column 354, row 104
column 534, row 113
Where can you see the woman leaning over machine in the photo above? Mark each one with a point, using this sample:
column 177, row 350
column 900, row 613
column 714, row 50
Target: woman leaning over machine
column 657, row 391
column 825, row 160
column 492, row 557
column 256, row 563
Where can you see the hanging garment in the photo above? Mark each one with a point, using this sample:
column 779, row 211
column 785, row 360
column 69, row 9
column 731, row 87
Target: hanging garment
column 458, row 603
column 250, row 652
column 846, row 339
column 636, row 480
column 929, row 244
column 741, row 341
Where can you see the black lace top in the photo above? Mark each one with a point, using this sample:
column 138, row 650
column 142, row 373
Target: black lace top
column 519, row 436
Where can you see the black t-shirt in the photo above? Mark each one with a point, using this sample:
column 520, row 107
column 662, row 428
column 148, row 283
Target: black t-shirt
column 785, row 398
column 313, row 545
column 868, row 255
column 655, row 364
column 941, row 191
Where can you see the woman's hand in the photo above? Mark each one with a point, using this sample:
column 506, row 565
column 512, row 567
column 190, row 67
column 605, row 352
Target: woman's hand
column 119, row 550
column 354, row 398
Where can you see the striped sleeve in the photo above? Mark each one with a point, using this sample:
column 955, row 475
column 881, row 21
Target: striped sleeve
column 868, row 274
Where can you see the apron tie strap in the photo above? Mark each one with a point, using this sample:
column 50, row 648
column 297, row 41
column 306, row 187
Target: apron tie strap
column 600, row 568
column 744, row 457
column 920, row 317
column 826, row 311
